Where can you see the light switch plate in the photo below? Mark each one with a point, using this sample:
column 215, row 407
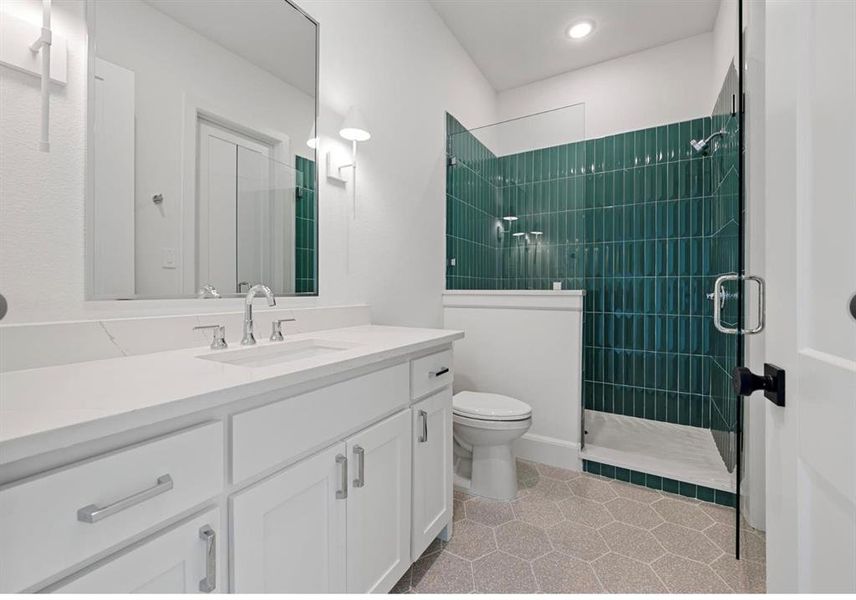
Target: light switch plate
column 168, row 261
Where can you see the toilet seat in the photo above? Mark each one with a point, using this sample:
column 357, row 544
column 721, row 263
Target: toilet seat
column 482, row 406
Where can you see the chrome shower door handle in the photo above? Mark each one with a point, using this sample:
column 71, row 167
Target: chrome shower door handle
column 360, row 455
column 719, row 292
column 209, row 582
column 342, row 492
column 94, row 513
column 762, row 304
column 424, row 417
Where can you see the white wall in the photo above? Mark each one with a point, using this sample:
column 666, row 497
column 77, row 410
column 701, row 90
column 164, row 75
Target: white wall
column 399, row 64
column 172, row 64
column 390, row 254
column 661, row 85
column 527, row 345
column 725, row 44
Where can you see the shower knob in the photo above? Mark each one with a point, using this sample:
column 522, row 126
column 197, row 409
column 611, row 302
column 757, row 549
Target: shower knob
column 772, row 382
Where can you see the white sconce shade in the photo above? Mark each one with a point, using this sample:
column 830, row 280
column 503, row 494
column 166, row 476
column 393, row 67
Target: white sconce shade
column 354, row 127
column 312, row 142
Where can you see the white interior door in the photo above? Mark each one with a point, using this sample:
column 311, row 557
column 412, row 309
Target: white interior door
column 811, row 274
column 235, row 182
column 112, row 230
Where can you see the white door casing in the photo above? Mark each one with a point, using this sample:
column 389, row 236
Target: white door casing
column 811, row 274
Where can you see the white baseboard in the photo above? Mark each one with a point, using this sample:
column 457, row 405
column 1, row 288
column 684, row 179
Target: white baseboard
column 548, row 451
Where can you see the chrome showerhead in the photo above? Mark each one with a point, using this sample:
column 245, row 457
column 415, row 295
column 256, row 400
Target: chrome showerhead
column 701, row 146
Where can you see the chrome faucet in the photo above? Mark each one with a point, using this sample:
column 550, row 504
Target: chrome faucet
column 249, row 339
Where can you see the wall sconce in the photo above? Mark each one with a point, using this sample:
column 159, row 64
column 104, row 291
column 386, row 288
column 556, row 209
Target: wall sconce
column 354, row 129
column 312, row 140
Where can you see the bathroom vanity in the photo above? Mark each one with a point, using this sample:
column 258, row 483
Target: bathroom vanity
column 318, row 464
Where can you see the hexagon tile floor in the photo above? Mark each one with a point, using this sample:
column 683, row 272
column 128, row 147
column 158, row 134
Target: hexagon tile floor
column 569, row 532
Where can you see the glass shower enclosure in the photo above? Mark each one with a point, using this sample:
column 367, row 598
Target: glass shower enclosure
column 644, row 221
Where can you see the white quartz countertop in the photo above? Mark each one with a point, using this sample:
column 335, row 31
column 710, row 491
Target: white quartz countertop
column 54, row 407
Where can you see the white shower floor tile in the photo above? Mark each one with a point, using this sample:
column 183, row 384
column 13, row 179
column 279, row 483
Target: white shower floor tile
column 675, row 451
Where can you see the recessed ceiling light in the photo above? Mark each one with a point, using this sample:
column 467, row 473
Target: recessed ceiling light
column 580, row 30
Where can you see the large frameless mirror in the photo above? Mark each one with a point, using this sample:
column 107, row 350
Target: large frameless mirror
column 201, row 149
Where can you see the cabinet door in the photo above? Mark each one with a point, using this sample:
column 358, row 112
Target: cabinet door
column 184, row 559
column 288, row 531
column 432, row 469
column 379, row 505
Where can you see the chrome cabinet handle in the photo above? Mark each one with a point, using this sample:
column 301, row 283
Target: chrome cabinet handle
column 718, row 292
column 424, row 416
column 342, row 492
column 439, row 372
column 94, row 513
column 360, row 455
column 209, row 582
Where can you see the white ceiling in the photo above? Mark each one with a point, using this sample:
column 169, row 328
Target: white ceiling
column 515, row 42
column 271, row 34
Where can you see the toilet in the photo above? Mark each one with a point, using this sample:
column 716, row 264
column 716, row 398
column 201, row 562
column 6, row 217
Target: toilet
column 484, row 427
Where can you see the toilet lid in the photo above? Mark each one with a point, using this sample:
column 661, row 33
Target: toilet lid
column 490, row 407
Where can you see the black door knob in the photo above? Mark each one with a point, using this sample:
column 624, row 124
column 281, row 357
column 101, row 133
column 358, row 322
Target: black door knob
column 772, row 382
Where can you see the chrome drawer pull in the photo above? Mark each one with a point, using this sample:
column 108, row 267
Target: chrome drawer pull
column 93, row 513
column 342, row 461
column 424, row 416
column 439, row 372
column 360, row 481
column 208, row 584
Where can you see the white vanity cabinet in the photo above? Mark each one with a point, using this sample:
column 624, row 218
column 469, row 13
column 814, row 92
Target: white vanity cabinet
column 337, row 521
column 288, row 531
column 187, row 558
column 379, row 505
column 330, row 488
column 432, row 476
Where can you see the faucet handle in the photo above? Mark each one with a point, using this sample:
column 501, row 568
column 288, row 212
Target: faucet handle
column 276, row 329
column 219, row 340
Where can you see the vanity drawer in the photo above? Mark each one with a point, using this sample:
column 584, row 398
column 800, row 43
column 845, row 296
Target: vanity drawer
column 430, row 373
column 271, row 435
column 52, row 522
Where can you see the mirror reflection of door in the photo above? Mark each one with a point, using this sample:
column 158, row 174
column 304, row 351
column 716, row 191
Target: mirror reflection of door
column 243, row 212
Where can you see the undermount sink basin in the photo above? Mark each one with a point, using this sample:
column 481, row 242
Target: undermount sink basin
column 275, row 353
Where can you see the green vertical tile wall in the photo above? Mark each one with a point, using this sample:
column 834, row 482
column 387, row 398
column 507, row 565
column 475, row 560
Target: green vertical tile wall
column 305, row 228
column 643, row 224
column 724, row 258
column 644, row 252
column 473, row 204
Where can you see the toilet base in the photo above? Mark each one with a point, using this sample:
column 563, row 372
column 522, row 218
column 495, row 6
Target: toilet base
column 483, row 456
column 491, row 473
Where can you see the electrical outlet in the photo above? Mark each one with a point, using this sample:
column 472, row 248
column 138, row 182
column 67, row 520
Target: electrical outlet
column 453, row 262
column 168, row 260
